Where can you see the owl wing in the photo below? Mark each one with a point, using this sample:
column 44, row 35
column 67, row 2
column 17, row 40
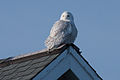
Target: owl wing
column 59, row 34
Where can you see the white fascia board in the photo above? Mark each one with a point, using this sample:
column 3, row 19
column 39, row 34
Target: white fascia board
column 50, row 69
column 69, row 59
column 84, row 65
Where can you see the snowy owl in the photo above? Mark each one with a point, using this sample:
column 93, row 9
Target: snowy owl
column 63, row 31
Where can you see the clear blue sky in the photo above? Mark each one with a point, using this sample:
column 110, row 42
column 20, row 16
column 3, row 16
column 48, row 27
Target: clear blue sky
column 25, row 24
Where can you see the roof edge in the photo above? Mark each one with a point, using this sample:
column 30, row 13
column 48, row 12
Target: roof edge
column 30, row 56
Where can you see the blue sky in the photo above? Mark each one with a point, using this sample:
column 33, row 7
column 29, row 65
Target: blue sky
column 25, row 24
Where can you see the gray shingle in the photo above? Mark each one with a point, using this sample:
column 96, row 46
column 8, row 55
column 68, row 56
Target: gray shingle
column 9, row 67
column 26, row 67
column 22, row 64
column 37, row 70
column 20, row 69
column 1, row 77
column 24, row 73
column 18, row 78
column 28, row 77
column 8, row 72
column 8, row 76
column 40, row 59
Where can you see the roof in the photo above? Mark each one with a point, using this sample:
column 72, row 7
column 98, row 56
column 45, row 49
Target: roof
column 27, row 66
column 69, row 59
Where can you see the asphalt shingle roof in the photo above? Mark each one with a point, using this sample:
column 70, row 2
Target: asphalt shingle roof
column 25, row 67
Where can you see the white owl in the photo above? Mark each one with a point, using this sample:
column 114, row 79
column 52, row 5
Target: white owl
column 63, row 31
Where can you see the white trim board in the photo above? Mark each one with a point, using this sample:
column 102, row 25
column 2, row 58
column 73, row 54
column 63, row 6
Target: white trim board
column 69, row 59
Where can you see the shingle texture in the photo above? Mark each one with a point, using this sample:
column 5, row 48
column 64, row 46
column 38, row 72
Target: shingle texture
column 25, row 67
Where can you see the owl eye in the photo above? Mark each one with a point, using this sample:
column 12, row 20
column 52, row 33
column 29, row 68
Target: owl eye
column 68, row 15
